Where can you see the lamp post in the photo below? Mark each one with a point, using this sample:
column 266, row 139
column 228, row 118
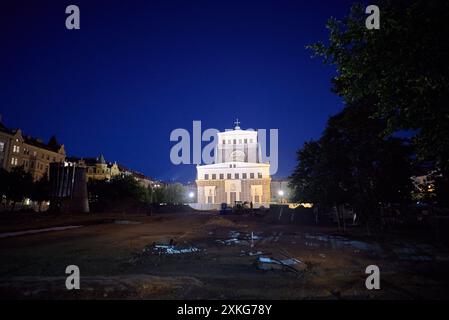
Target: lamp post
column 281, row 195
column 191, row 195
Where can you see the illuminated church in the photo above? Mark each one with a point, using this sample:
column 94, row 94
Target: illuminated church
column 238, row 173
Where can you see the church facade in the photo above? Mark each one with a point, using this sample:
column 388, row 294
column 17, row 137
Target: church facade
column 238, row 173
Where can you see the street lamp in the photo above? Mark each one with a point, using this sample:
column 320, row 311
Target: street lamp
column 191, row 195
column 281, row 195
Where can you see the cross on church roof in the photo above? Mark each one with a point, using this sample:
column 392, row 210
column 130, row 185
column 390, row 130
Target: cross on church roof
column 237, row 124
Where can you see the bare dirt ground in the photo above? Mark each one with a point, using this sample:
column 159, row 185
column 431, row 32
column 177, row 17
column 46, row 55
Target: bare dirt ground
column 210, row 260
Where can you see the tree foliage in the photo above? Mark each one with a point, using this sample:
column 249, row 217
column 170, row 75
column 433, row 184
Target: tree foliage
column 352, row 163
column 404, row 65
column 40, row 191
column 16, row 185
column 169, row 193
column 120, row 188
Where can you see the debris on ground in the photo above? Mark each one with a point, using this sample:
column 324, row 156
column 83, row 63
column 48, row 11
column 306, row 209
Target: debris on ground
column 228, row 242
column 251, row 253
column 171, row 249
column 158, row 249
column 243, row 238
column 265, row 263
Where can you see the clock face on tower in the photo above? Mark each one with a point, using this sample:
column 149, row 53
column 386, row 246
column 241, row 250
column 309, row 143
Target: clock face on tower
column 238, row 156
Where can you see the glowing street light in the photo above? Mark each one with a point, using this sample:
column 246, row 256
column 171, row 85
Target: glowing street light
column 281, row 193
column 191, row 195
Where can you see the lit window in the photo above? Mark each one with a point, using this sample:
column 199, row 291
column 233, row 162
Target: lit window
column 16, row 149
column 14, row 161
column 2, row 146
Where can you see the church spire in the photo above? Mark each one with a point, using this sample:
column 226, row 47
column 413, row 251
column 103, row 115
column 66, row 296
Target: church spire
column 101, row 159
column 237, row 124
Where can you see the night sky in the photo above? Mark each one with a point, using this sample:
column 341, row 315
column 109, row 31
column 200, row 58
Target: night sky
column 139, row 69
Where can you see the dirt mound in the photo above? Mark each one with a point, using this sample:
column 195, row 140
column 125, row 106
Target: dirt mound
column 220, row 222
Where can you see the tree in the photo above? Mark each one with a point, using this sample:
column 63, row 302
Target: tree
column 403, row 64
column 156, row 194
column 119, row 189
column 19, row 184
column 352, row 163
column 41, row 190
column 175, row 193
column 319, row 180
column 3, row 183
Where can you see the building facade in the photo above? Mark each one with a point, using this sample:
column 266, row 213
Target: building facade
column 237, row 174
column 140, row 177
column 35, row 156
column 99, row 169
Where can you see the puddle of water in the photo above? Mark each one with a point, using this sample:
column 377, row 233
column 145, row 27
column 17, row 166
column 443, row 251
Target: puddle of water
column 414, row 253
column 338, row 242
column 21, row 233
column 402, row 250
column 126, row 222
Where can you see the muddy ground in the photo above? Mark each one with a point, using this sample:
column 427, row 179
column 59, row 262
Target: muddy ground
column 211, row 257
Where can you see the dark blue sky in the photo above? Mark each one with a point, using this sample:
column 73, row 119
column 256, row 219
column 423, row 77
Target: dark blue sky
column 138, row 69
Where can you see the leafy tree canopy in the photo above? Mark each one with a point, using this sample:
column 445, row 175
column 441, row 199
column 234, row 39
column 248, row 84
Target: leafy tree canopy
column 403, row 65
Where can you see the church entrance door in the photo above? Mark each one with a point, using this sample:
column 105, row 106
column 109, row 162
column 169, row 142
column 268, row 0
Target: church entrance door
column 233, row 197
